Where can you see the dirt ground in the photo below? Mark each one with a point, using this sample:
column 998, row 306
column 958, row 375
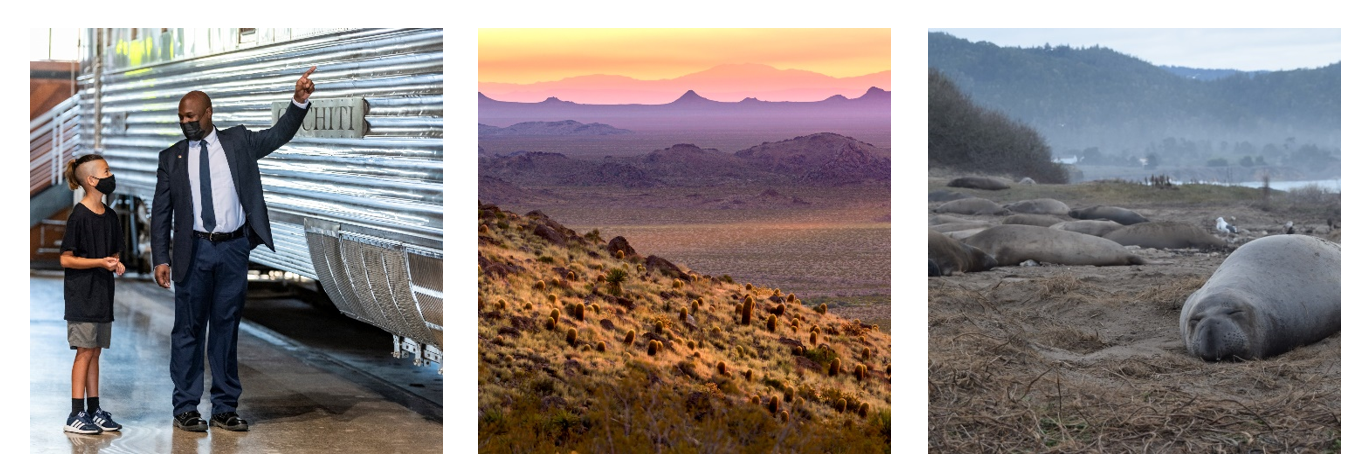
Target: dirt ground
column 1090, row 359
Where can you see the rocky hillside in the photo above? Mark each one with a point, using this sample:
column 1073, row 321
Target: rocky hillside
column 822, row 158
column 586, row 345
column 568, row 127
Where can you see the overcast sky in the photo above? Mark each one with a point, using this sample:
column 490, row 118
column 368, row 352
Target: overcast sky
column 1241, row 49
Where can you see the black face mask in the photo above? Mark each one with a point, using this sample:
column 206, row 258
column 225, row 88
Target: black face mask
column 192, row 130
column 106, row 186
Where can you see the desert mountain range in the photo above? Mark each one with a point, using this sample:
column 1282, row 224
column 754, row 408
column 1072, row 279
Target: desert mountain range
column 733, row 82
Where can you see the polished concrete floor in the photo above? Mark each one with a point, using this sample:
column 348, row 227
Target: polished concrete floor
column 296, row 400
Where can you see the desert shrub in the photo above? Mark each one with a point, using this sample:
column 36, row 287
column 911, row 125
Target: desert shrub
column 572, row 336
column 546, row 259
column 630, row 337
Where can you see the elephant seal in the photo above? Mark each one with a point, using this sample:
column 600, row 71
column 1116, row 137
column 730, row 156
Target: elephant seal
column 944, row 228
column 1096, row 228
column 943, row 195
column 962, row 234
column 1165, row 235
column 952, row 256
column 1039, row 206
column 1116, row 214
column 1032, row 219
column 1269, row 296
column 933, row 269
column 1013, row 244
column 972, row 206
column 947, row 219
column 979, row 182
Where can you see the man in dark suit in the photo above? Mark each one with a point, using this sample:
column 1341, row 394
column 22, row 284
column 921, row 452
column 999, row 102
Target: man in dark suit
column 208, row 192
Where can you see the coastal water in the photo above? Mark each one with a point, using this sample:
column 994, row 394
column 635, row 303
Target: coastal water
column 1325, row 185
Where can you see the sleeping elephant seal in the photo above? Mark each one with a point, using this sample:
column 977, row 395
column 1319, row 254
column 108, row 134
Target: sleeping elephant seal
column 1165, row 235
column 979, row 182
column 944, row 228
column 947, row 219
column 1039, row 206
column 1270, row 295
column 972, row 206
column 1032, row 219
column 951, row 256
column 1096, row 228
column 943, row 195
column 1116, row 214
column 1013, row 244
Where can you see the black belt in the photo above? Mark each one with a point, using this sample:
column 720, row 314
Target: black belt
column 221, row 236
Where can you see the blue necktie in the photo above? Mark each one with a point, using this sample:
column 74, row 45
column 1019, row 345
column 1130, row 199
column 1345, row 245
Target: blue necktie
column 206, row 188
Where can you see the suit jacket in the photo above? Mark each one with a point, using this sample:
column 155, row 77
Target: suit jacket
column 173, row 202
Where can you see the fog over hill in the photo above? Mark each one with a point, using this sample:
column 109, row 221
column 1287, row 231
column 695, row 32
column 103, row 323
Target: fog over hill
column 1107, row 107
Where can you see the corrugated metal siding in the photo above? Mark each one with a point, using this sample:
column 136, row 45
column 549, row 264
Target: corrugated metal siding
column 389, row 181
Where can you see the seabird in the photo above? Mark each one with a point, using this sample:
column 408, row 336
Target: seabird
column 1224, row 227
column 1288, row 228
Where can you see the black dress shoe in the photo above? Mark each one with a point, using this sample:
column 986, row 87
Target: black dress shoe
column 229, row 421
column 190, row 421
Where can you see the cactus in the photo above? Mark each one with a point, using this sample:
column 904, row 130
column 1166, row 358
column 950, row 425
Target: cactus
column 658, row 327
column 572, row 276
column 528, row 306
column 580, row 311
column 788, row 393
column 785, row 416
column 695, row 278
column 834, row 368
column 596, row 309
column 630, row 338
column 691, row 345
column 549, row 325
column 814, row 338
column 860, row 372
column 682, row 315
column 601, row 278
column 747, row 312
column 556, row 282
column 554, row 314
column 540, row 285
column 748, row 286
column 773, row 404
column 653, row 347
column 483, row 228
column 715, row 331
column 720, row 368
column 696, row 308
column 781, row 309
column 776, row 292
column 677, row 283
column 823, row 308
column 620, row 254
column 862, row 410
column 553, row 299
column 572, row 336
column 799, row 402
column 772, row 323
column 887, row 370
column 755, row 400
column 866, row 354
column 790, row 298
column 601, row 346
column 748, row 375
column 501, row 304
column 841, row 405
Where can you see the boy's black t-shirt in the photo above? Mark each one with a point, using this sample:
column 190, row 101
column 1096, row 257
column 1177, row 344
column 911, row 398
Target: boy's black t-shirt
column 89, row 293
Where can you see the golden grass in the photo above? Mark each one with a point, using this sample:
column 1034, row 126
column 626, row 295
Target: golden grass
column 541, row 392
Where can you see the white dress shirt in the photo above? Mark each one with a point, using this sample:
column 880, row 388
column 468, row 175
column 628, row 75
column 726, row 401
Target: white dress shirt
column 227, row 206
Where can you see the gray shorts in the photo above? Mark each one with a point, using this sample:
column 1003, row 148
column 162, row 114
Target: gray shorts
column 88, row 334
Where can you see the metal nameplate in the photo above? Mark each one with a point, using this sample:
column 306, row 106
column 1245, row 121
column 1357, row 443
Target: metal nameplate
column 328, row 118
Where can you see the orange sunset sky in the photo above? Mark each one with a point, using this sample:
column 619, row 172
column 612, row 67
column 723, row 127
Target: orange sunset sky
column 511, row 61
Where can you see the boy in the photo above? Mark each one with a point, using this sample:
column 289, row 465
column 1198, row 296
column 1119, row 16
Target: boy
column 90, row 254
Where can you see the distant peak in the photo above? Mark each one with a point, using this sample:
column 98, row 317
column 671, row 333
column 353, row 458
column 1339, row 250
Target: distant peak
column 691, row 97
column 875, row 93
column 555, row 100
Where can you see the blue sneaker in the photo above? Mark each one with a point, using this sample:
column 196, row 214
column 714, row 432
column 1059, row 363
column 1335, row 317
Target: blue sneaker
column 80, row 424
column 105, row 422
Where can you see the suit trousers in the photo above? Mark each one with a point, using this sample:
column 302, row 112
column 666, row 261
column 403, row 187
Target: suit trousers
column 211, row 296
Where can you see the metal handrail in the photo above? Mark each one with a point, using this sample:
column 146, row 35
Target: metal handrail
column 53, row 140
